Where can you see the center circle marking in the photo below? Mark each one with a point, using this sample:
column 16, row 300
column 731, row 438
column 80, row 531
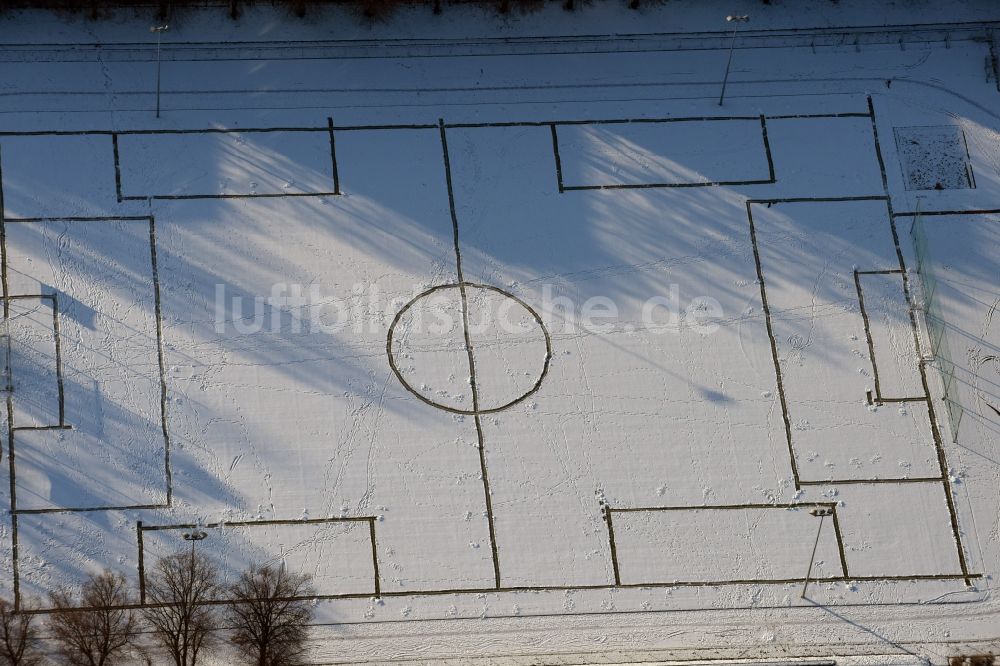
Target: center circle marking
column 467, row 295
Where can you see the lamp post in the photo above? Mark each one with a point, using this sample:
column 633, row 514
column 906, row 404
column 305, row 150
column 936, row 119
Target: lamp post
column 194, row 537
column 735, row 20
column 822, row 512
column 159, row 30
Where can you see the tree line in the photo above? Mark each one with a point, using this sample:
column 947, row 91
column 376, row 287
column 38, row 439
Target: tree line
column 370, row 9
column 263, row 616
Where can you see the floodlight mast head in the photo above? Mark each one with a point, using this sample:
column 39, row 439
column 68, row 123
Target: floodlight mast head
column 194, row 537
column 737, row 18
column 159, row 28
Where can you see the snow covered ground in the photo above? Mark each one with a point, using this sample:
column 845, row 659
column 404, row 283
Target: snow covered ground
column 526, row 348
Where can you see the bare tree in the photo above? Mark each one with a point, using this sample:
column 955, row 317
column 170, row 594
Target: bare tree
column 18, row 636
column 179, row 615
column 99, row 631
column 269, row 616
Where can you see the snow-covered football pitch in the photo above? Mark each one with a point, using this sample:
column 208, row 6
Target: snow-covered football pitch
column 553, row 366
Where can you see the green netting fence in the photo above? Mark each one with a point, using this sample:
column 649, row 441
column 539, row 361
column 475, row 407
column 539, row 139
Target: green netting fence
column 930, row 305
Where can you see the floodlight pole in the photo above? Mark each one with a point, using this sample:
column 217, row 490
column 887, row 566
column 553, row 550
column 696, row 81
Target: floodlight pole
column 735, row 20
column 822, row 512
column 159, row 30
column 194, row 537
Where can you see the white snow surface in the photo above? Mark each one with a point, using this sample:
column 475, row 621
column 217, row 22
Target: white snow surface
column 555, row 356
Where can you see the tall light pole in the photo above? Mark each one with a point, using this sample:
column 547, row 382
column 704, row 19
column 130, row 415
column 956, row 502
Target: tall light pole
column 735, row 20
column 822, row 512
column 159, row 30
column 194, row 537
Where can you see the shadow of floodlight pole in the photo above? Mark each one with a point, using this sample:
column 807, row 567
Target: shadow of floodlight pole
column 822, row 513
column 735, row 20
column 921, row 659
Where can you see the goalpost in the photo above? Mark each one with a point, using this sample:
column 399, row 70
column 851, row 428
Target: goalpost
column 930, row 305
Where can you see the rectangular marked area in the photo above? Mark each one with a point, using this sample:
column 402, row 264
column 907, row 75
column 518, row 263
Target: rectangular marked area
column 33, row 375
column 897, row 530
column 60, row 550
column 429, row 391
column 654, row 401
column 225, row 164
column 49, row 176
column 719, row 544
column 890, row 331
column 807, row 253
column 101, row 275
column 337, row 553
column 277, row 341
column 824, row 157
column 673, row 153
